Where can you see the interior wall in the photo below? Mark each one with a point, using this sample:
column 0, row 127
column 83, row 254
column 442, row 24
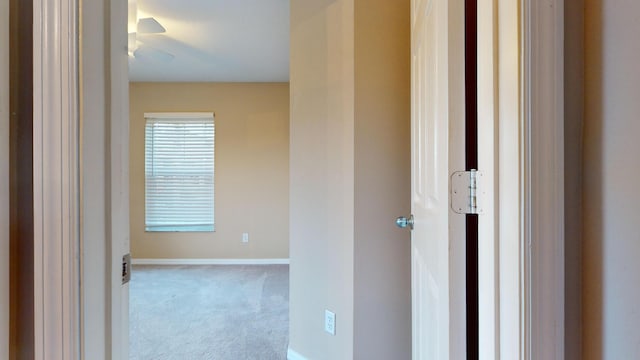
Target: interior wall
column 382, row 277
column 251, row 169
column 573, row 131
column 611, row 171
column 350, row 179
column 322, row 177
column 4, row 179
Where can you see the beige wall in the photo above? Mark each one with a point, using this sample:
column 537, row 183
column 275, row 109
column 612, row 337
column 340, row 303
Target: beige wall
column 322, row 177
column 382, row 278
column 350, row 179
column 574, row 115
column 611, row 172
column 4, row 179
column 252, row 169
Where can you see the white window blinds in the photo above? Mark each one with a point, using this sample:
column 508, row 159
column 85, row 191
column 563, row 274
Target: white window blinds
column 179, row 172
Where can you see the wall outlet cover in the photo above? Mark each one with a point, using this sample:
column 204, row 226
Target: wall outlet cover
column 330, row 322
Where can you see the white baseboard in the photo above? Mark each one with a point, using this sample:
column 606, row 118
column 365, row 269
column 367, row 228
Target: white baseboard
column 292, row 355
column 210, row 261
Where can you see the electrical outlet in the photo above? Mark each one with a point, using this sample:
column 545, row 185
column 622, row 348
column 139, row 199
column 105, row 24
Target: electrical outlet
column 329, row 322
column 245, row 237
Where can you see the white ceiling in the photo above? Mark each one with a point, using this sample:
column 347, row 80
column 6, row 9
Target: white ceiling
column 215, row 41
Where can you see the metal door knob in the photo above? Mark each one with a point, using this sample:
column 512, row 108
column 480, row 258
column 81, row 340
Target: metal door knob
column 402, row 222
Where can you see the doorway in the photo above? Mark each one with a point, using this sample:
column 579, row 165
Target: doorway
column 232, row 62
column 115, row 266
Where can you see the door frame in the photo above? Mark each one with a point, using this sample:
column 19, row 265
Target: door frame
column 527, row 276
column 80, row 127
column 5, row 308
column 542, row 164
column 55, row 181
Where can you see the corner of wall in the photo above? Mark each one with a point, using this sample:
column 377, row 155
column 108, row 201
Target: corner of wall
column 321, row 177
column 382, row 256
column 349, row 139
column 293, row 355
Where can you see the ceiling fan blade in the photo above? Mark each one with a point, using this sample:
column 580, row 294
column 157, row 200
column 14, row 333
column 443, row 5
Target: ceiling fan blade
column 147, row 52
column 150, row 26
column 179, row 47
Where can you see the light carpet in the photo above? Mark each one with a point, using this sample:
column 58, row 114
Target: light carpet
column 212, row 312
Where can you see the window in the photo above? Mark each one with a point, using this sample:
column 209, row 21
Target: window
column 179, row 172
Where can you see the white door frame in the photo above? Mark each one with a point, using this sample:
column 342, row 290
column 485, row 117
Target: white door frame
column 521, row 282
column 528, row 90
column 81, row 152
column 55, row 180
column 543, row 178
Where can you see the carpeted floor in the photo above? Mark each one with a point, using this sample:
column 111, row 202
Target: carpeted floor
column 224, row 312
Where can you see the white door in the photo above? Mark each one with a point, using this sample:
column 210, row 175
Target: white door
column 437, row 126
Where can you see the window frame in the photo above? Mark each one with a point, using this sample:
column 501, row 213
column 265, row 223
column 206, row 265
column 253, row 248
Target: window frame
column 179, row 116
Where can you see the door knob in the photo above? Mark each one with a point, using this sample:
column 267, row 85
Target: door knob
column 403, row 222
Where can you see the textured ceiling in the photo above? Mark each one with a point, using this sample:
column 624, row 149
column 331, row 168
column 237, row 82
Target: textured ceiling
column 213, row 40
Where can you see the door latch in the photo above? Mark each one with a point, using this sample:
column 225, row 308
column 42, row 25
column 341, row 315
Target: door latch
column 126, row 268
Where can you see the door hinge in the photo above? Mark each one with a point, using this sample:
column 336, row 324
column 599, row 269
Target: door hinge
column 126, row 268
column 467, row 192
